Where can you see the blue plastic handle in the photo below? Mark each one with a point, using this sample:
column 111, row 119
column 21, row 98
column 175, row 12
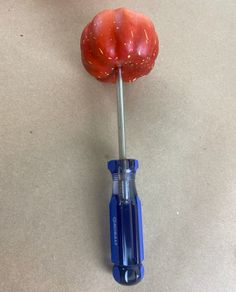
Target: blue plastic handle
column 126, row 223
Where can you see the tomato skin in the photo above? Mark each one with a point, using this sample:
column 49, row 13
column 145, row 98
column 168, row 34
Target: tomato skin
column 119, row 38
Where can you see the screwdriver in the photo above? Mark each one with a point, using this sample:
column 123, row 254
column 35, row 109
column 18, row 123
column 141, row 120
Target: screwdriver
column 121, row 45
column 125, row 208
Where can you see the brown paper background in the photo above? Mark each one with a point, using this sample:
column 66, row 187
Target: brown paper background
column 58, row 129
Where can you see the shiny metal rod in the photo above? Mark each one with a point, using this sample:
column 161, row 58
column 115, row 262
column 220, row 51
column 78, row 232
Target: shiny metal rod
column 121, row 115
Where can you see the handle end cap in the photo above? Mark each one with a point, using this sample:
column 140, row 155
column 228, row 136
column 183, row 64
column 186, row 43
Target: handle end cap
column 128, row 275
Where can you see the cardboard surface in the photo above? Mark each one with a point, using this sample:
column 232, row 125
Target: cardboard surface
column 58, row 129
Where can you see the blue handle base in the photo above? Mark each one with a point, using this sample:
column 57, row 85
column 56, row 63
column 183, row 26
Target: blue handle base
column 128, row 275
column 126, row 224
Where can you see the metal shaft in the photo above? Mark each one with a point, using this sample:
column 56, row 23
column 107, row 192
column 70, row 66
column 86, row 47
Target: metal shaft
column 121, row 115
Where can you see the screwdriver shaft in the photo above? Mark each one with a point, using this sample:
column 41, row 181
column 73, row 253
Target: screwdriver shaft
column 121, row 115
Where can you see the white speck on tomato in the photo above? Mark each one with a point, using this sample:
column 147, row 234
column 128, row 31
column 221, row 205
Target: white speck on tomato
column 146, row 35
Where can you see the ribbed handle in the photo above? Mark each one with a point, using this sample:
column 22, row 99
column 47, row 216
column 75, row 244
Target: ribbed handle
column 126, row 224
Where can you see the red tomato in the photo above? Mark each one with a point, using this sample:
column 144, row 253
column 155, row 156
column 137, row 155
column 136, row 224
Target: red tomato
column 119, row 38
